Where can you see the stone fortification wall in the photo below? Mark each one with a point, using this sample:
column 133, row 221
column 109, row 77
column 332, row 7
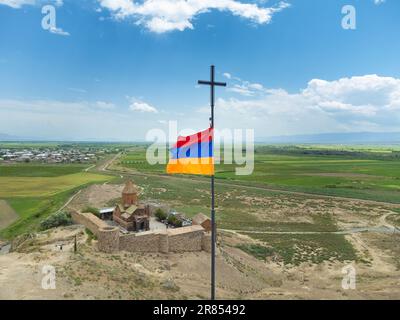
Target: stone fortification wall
column 110, row 239
column 89, row 220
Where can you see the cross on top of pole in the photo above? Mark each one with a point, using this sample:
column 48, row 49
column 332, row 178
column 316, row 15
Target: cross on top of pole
column 212, row 83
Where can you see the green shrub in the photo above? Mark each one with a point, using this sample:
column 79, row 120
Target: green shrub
column 257, row 251
column 173, row 220
column 160, row 214
column 178, row 223
column 93, row 210
column 57, row 219
column 91, row 236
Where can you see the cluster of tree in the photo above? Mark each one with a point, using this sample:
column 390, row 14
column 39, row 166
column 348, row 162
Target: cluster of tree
column 160, row 215
column 174, row 221
column 57, row 219
column 171, row 219
column 93, row 210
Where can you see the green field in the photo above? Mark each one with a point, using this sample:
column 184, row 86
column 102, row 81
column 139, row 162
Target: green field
column 45, row 186
column 360, row 172
column 36, row 191
column 295, row 249
column 39, row 170
column 249, row 205
column 192, row 196
column 364, row 173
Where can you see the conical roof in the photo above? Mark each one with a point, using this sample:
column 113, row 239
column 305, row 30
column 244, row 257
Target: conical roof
column 129, row 187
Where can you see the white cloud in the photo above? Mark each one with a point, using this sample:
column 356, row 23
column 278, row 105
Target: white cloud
column 355, row 104
column 105, row 105
column 244, row 88
column 378, row 2
column 167, row 15
column 81, row 120
column 142, row 107
column 361, row 103
column 58, row 31
column 16, row 4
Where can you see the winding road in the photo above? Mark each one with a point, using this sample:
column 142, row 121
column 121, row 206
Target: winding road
column 238, row 185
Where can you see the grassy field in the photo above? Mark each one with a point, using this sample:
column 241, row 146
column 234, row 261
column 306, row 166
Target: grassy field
column 45, row 186
column 295, row 249
column 7, row 213
column 360, row 172
column 36, row 191
column 364, row 173
column 32, row 210
column 39, row 170
column 249, row 211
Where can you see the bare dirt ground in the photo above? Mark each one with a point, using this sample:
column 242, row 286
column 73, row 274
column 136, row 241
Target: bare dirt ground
column 347, row 213
column 96, row 196
column 90, row 274
column 7, row 214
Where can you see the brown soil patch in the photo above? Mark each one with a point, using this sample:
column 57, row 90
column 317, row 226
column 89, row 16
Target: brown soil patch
column 90, row 274
column 7, row 214
column 291, row 209
column 96, row 196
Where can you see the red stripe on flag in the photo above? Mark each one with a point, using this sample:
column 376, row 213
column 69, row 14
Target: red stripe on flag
column 203, row 136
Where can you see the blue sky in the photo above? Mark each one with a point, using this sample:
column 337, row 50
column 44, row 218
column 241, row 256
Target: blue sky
column 113, row 69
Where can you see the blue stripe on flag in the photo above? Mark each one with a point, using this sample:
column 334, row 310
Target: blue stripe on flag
column 197, row 150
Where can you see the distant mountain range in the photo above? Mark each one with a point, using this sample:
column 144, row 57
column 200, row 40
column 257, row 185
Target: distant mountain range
column 11, row 138
column 338, row 138
column 7, row 137
column 324, row 138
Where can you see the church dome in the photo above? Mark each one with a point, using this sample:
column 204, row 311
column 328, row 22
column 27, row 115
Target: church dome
column 129, row 188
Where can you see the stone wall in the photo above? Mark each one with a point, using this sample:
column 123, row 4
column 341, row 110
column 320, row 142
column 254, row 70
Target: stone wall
column 163, row 245
column 185, row 239
column 206, row 242
column 110, row 239
column 89, row 220
column 148, row 241
column 174, row 240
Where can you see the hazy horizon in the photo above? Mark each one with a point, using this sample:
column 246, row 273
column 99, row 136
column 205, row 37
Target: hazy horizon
column 114, row 72
column 328, row 138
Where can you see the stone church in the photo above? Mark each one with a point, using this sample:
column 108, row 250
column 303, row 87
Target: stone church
column 130, row 214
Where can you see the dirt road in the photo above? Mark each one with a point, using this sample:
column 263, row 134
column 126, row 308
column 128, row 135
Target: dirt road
column 238, row 185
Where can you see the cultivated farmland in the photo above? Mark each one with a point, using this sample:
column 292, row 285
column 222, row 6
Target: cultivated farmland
column 35, row 191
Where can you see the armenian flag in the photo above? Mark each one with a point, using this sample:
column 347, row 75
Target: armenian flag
column 193, row 154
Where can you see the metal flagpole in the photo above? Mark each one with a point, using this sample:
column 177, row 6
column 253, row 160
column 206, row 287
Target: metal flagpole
column 212, row 85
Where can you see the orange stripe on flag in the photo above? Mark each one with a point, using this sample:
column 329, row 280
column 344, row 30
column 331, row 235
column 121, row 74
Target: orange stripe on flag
column 204, row 166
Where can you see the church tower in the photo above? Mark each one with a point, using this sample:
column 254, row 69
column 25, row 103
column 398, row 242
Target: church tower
column 129, row 194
